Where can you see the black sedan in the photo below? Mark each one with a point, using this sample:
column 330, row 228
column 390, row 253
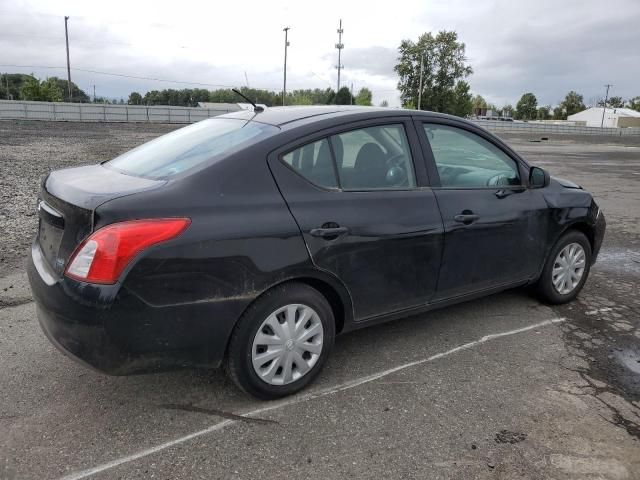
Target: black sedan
column 250, row 240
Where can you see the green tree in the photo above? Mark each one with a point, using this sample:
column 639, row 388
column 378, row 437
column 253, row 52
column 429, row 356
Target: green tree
column 634, row 103
column 77, row 94
column 299, row 97
column 544, row 112
column 51, row 90
column 384, row 104
column 559, row 113
column 507, row 111
column 612, row 102
column 573, row 103
column 11, row 84
column 30, row 89
column 343, row 97
column 364, row 97
column 461, row 104
column 134, row 99
column 479, row 102
column 527, row 107
column 444, row 65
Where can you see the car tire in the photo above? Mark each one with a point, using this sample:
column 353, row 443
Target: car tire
column 552, row 293
column 245, row 352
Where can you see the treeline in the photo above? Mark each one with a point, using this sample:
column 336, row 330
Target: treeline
column 18, row 86
column 189, row 97
column 527, row 107
column 53, row 89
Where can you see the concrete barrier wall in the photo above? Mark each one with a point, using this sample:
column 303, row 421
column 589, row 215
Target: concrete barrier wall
column 93, row 112
column 90, row 112
column 542, row 128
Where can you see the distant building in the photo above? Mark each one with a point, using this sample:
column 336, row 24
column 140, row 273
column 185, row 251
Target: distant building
column 613, row 117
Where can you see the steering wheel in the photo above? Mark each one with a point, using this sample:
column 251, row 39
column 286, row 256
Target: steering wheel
column 396, row 160
column 498, row 180
column 396, row 171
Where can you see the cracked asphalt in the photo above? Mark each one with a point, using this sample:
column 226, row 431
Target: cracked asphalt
column 536, row 392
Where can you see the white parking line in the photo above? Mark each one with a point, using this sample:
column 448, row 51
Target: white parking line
column 301, row 398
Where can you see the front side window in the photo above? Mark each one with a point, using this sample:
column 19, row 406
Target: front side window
column 314, row 162
column 466, row 160
column 374, row 158
column 190, row 146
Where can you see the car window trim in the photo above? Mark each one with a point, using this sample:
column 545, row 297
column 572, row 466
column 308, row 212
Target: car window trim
column 519, row 186
column 308, row 180
column 415, row 177
column 430, row 161
column 415, row 150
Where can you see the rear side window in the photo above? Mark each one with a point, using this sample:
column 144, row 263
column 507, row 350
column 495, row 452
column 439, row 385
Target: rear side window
column 190, row 146
column 314, row 162
column 374, row 158
column 466, row 160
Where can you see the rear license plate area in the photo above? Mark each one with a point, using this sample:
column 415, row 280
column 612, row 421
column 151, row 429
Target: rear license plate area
column 50, row 235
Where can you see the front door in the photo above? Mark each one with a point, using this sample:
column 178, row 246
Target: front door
column 365, row 213
column 494, row 225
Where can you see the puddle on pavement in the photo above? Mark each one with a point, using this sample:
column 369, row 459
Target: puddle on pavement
column 630, row 360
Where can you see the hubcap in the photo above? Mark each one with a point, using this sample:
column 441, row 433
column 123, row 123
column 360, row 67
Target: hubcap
column 287, row 345
column 568, row 268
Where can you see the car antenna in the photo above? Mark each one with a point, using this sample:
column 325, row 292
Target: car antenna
column 256, row 108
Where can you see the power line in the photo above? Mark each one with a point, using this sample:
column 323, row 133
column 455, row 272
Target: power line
column 49, row 37
column 112, row 74
column 155, row 79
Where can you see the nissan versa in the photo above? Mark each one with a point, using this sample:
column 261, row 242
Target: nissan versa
column 250, row 240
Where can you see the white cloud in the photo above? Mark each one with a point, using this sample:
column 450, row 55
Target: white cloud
column 544, row 46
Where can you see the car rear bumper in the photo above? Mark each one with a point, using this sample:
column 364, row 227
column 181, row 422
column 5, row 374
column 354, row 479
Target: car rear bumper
column 109, row 329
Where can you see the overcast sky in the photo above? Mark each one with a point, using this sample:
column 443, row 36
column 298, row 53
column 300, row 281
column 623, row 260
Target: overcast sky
column 547, row 47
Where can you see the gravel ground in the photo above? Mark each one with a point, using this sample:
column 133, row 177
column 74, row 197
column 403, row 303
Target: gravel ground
column 535, row 392
column 30, row 150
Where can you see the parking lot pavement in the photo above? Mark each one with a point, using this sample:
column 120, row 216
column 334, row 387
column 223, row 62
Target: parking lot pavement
column 501, row 387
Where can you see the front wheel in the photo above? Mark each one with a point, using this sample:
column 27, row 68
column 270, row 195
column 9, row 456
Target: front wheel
column 281, row 342
column 567, row 268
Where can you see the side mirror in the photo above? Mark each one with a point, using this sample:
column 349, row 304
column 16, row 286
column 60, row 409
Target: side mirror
column 539, row 177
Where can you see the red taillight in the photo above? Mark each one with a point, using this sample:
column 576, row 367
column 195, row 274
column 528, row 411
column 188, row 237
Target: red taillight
column 103, row 256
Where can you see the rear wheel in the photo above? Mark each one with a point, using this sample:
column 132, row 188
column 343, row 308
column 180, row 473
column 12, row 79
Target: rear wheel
column 281, row 342
column 567, row 268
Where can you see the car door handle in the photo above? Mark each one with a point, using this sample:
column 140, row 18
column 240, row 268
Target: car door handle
column 466, row 218
column 329, row 232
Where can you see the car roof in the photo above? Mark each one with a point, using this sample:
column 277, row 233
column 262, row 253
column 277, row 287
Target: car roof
column 279, row 116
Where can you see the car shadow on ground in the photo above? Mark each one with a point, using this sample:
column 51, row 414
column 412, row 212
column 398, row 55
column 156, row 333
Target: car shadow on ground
column 355, row 354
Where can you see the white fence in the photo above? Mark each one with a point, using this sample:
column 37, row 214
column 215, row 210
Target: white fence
column 542, row 128
column 94, row 112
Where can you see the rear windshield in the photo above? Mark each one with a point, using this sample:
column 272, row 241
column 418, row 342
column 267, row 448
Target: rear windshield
column 190, row 146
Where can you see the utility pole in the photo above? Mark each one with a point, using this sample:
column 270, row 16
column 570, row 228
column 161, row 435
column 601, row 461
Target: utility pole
column 351, row 93
column 286, row 44
column 6, row 78
column 66, row 36
column 94, row 94
column 420, row 89
column 604, row 109
column 339, row 46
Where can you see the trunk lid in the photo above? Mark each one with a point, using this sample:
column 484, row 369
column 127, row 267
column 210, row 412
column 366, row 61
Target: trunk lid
column 68, row 199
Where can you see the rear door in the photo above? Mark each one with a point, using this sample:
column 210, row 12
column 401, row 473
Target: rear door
column 495, row 226
column 360, row 197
